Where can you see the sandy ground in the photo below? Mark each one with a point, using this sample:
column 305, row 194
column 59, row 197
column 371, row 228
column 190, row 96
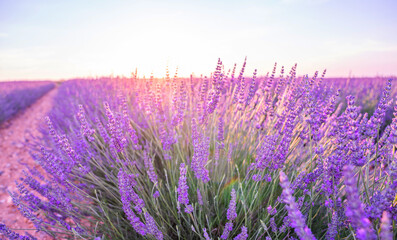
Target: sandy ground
column 14, row 135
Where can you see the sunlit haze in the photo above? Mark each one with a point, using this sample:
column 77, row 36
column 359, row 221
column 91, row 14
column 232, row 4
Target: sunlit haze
column 66, row 39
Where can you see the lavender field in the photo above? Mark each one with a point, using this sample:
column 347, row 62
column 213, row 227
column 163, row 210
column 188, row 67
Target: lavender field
column 232, row 155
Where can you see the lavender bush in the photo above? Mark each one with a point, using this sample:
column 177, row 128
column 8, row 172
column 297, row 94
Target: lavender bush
column 219, row 157
column 16, row 96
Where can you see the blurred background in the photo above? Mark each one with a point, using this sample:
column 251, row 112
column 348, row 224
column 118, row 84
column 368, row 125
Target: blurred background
column 65, row 39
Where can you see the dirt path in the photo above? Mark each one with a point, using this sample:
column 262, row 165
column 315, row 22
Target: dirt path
column 14, row 135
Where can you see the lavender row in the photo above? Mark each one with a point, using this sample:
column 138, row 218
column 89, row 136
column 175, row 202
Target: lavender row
column 16, row 96
column 225, row 156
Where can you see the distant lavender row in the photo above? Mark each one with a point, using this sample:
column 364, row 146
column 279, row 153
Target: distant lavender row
column 225, row 157
column 16, row 96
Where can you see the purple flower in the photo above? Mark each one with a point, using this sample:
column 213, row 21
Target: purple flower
column 206, row 236
column 189, row 208
column 393, row 127
column 200, row 156
column 183, row 196
column 126, row 184
column 13, row 235
column 243, row 235
column 296, row 217
column 85, row 128
column 118, row 141
column 152, row 227
column 354, row 209
column 199, row 197
column 149, row 165
column 271, row 210
column 231, row 211
column 221, row 133
column 333, row 227
column 228, row 228
column 273, row 225
column 156, row 194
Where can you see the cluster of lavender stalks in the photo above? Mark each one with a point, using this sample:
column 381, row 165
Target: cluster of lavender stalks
column 223, row 157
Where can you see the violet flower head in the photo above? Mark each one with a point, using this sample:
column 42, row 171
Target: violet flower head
column 118, row 141
column 252, row 89
column 189, row 208
column 295, row 215
column 149, row 165
column 156, row 194
column 206, row 236
column 200, row 156
column 228, row 228
column 393, row 127
column 199, row 197
column 273, row 225
column 271, row 210
column 13, row 235
column 355, row 209
column 243, row 235
column 221, row 133
column 333, row 227
column 126, row 183
column 183, row 196
column 231, row 211
column 85, row 128
column 152, row 227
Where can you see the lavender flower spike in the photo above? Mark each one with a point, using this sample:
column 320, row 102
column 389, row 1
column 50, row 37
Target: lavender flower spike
column 231, row 212
column 183, row 196
column 228, row 228
column 126, row 182
column 199, row 197
column 152, row 227
column 13, row 235
column 354, row 209
column 206, row 236
column 243, row 235
column 296, row 217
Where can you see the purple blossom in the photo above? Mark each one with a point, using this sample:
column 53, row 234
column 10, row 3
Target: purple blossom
column 199, row 197
column 13, row 235
column 149, row 165
column 200, row 156
column 273, row 225
column 231, row 211
column 189, row 208
column 206, row 236
column 252, row 89
column 228, row 228
column 243, row 235
column 221, row 133
column 354, row 209
column 85, row 128
column 296, row 217
column 333, row 227
column 271, row 210
column 126, row 184
column 118, row 141
column 156, row 194
column 183, row 196
column 152, row 227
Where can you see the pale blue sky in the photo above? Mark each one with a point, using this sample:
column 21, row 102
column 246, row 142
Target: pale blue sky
column 57, row 40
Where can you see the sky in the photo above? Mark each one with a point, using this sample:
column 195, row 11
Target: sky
column 83, row 38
